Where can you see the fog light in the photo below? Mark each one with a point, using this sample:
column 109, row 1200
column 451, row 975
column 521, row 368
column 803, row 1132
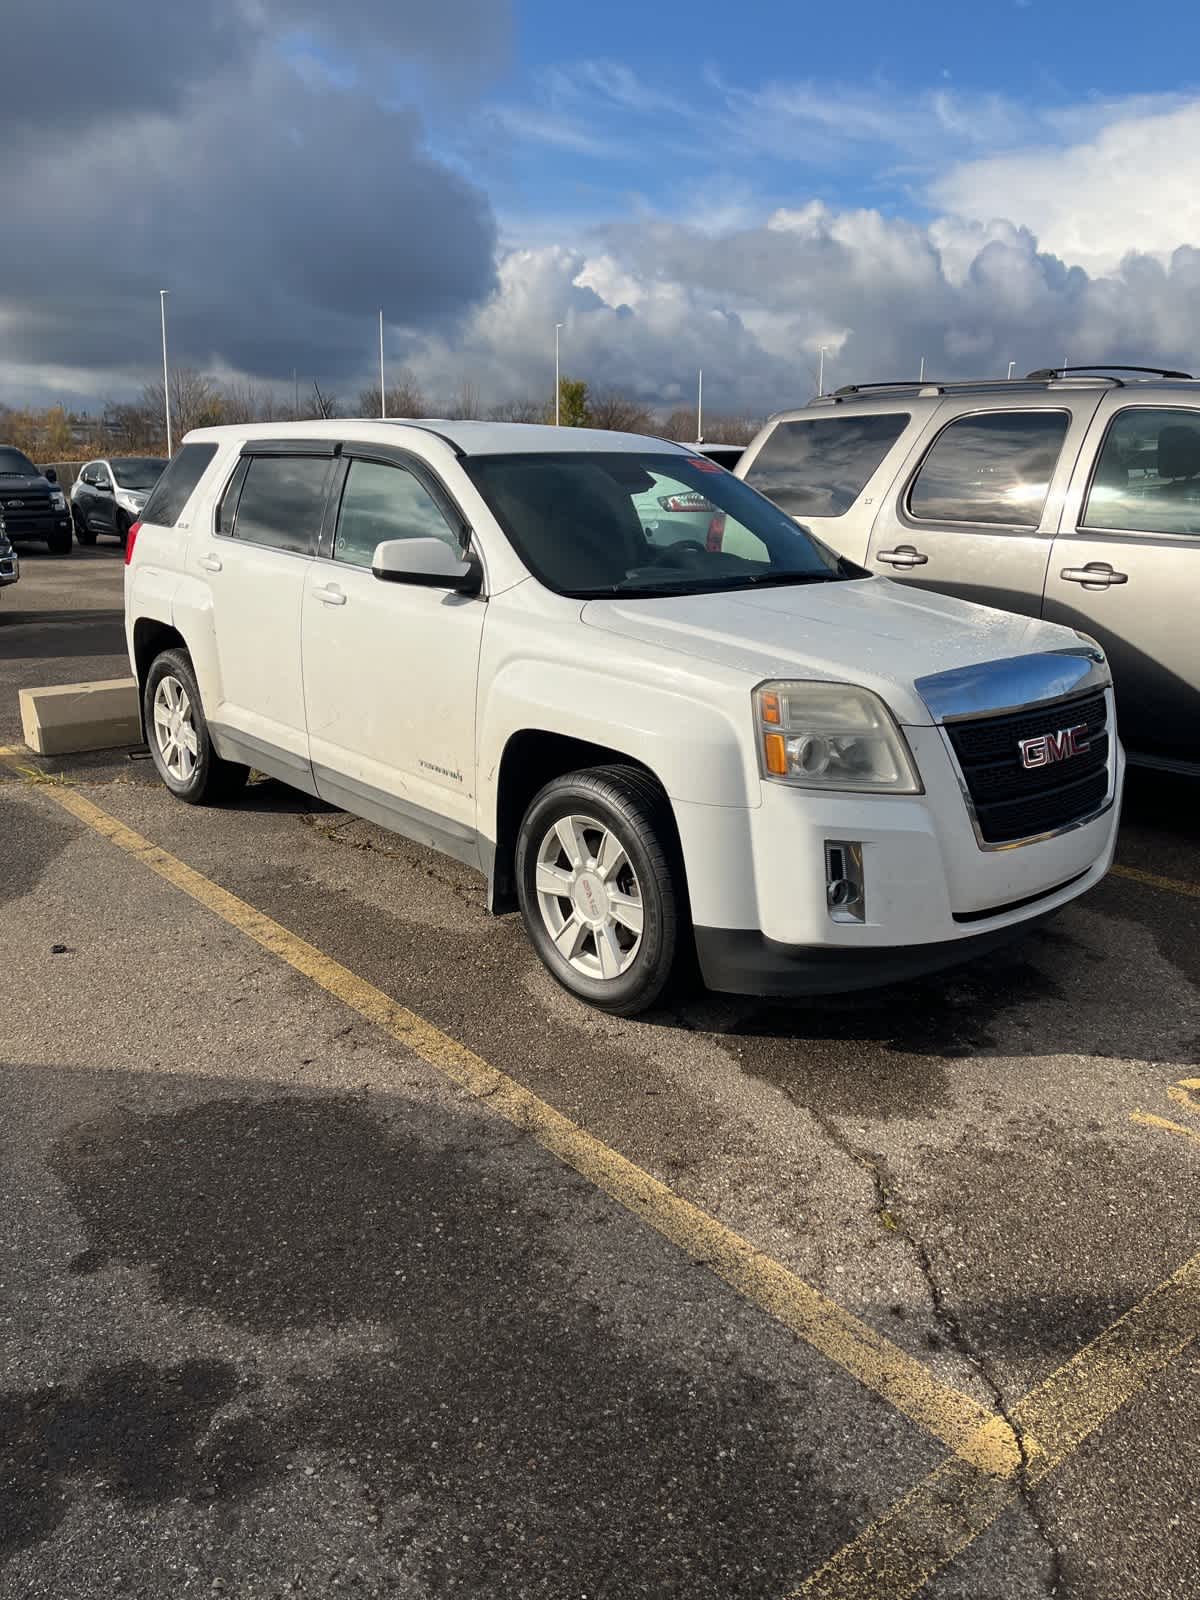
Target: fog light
column 845, row 886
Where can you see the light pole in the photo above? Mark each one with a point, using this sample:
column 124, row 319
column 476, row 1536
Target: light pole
column 1012, row 367
column 382, row 388
column 921, row 379
column 821, row 371
column 162, row 307
column 700, row 408
column 557, row 379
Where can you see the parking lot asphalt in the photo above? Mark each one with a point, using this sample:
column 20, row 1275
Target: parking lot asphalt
column 343, row 1250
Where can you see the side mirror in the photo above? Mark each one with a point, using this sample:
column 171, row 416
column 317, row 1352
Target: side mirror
column 50, row 475
column 429, row 563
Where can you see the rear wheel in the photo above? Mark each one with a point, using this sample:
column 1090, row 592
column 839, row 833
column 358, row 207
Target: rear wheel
column 600, row 886
column 180, row 743
column 83, row 534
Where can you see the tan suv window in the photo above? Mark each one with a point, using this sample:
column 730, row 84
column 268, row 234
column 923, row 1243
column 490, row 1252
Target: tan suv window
column 1147, row 479
column 991, row 467
column 819, row 467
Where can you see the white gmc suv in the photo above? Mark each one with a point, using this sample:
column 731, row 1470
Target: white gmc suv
column 732, row 742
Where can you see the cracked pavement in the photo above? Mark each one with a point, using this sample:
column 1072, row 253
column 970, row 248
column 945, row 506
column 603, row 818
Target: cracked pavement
column 279, row 1306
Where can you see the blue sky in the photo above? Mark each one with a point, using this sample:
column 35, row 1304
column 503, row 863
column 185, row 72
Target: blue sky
column 723, row 183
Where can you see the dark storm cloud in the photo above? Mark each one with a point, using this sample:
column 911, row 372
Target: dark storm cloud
column 280, row 203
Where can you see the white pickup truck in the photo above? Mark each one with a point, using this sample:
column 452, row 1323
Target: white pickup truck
column 748, row 748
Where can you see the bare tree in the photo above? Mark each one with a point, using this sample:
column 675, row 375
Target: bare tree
column 466, row 402
column 404, row 398
column 195, row 402
column 324, row 405
column 616, row 411
column 681, row 425
column 521, row 411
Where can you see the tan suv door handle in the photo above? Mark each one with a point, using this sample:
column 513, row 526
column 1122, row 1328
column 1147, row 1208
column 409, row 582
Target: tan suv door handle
column 904, row 555
column 331, row 595
column 1096, row 575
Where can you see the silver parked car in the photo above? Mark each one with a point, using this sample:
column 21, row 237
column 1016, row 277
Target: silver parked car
column 1073, row 495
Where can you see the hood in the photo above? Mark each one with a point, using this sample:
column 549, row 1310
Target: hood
column 869, row 631
column 14, row 488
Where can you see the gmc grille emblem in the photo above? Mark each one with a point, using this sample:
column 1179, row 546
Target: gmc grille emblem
column 1048, row 748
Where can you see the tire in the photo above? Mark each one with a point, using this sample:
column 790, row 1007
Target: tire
column 199, row 777
column 83, row 534
column 59, row 543
column 121, row 529
column 635, row 876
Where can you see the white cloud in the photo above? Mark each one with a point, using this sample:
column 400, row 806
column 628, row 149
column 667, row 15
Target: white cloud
column 1133, row 184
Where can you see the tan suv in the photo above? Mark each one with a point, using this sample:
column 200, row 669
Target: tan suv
column 1071, row 495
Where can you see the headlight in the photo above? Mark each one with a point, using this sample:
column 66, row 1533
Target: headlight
column 831, row 736
column 131, row 502
column 58, row 500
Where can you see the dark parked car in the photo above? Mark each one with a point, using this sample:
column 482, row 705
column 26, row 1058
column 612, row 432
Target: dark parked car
column 32, row 506
column 108, row 496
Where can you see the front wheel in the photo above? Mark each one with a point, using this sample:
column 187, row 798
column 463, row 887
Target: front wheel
column 600, row 886
column 59, row 542
column 180, row 744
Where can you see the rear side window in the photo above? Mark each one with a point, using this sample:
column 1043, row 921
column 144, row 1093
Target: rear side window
column 819, row 468
column 282, row 502
column 1148, row 475
column 993, row 468
column 174, row 489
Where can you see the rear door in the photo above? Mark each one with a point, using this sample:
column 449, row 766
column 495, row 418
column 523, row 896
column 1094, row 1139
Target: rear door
column 390, row 669
column 829, row 470
column 255, row 555
column 1126, row 567
column 978, row 500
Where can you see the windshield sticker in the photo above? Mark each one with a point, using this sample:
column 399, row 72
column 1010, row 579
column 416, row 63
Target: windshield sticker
column 703, row 464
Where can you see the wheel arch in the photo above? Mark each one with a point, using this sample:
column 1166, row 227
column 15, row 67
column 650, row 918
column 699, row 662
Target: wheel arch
column 532, row 758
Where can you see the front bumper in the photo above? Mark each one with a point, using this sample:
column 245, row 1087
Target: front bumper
column 743, row 961
column 26, row 529
column 10, row 568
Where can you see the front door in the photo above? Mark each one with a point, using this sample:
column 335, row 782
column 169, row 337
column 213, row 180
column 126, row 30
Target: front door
column 976, row 516
column 390, row 668
column 255, row 560
column 1126, row 569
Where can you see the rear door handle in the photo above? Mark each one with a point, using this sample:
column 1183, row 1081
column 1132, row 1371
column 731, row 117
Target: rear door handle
column 209, row 563
column 904, row 555
column 331, row 595
column 1096, row 575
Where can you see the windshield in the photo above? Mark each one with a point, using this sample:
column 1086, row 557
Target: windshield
column 590, row 524
column 140, row 473
column 14, row 464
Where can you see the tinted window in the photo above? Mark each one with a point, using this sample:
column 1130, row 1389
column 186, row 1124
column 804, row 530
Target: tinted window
column 579, row 520
column 820, row 468
column 1148, row 475
column 174, row 489
column 993, row 469
column 14, row 461
column 142, row 472
column 381, row 502
column 227, row 509
column 283, row 501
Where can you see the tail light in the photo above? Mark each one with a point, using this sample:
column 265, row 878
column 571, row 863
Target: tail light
column 716, row 532
column 130, row 541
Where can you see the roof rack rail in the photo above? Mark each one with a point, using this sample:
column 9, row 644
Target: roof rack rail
column 1100, row 367
column 894, row 383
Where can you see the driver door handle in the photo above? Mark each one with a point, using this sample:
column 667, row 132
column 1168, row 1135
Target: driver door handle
column 209, row 563
column 330, row 595
column 1096, row 575
column 904, row 555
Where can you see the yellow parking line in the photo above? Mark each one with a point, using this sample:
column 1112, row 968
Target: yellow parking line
column 972, row 1431
column 1184, row 1093
column 1153, row 881
column 1149, row 1120
column 900, row 1552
